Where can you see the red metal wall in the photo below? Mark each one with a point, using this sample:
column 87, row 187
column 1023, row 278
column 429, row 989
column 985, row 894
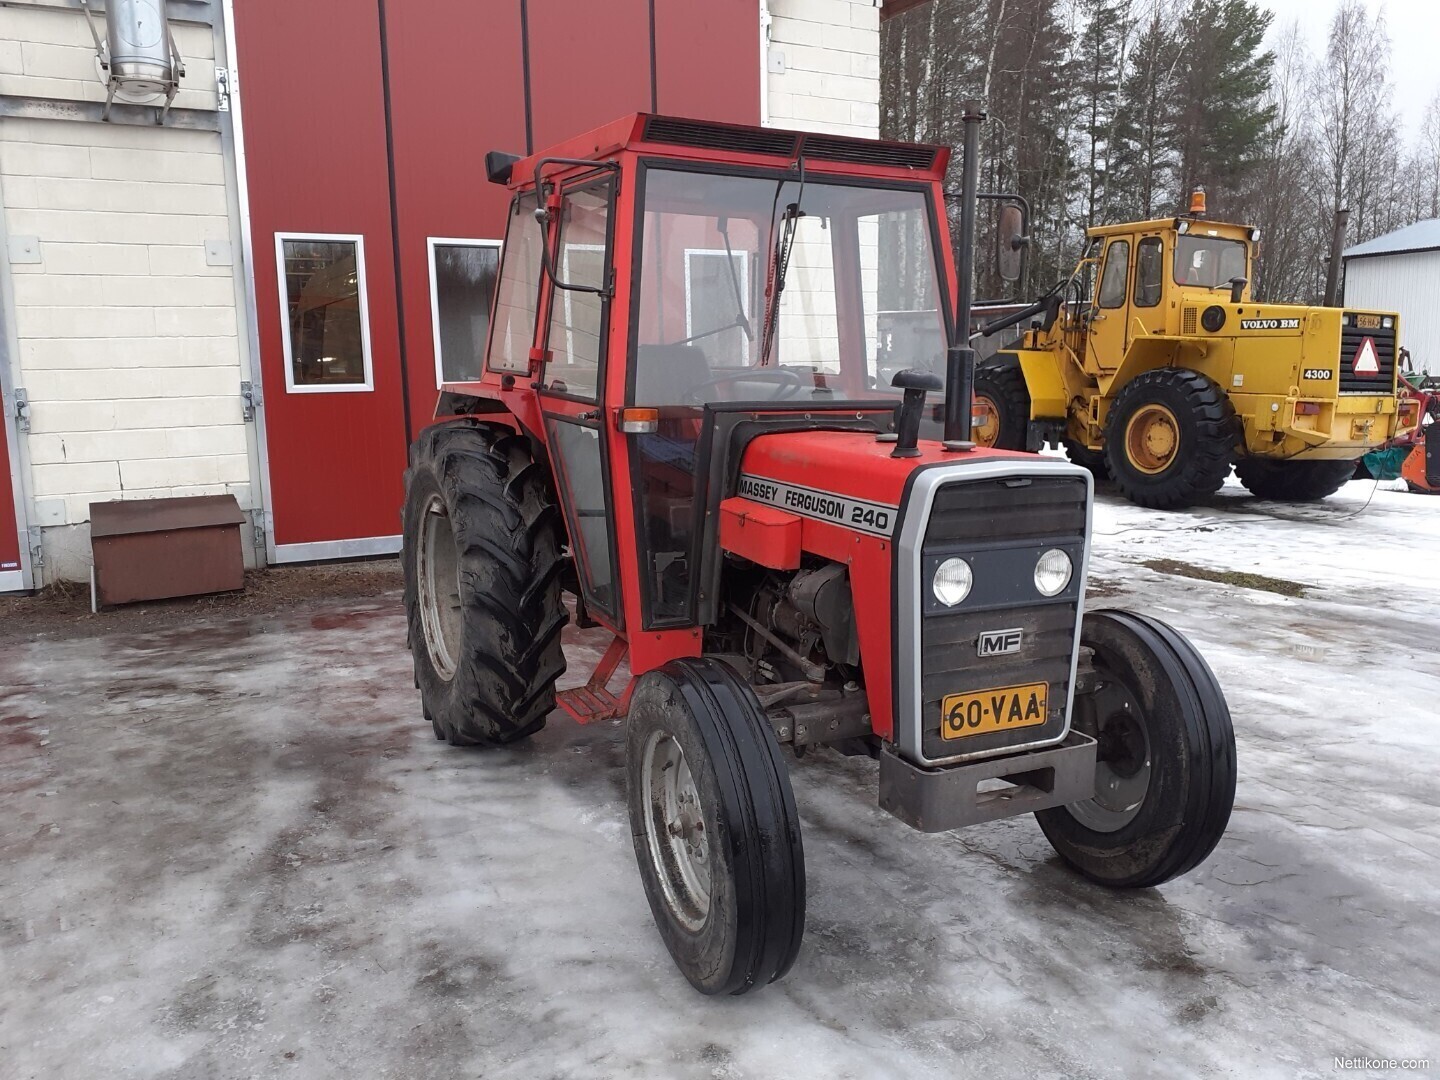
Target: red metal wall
column 314, row 90
column 314, row 110
column 9, row 527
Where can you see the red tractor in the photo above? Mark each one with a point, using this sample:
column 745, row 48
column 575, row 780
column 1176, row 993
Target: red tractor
column 680, row 425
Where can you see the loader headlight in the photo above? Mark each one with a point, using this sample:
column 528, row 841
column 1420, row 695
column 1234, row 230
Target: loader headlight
column 1053, row 572
column 1388, row 323
column 952, row 581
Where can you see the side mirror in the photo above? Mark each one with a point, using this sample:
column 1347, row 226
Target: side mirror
column 1010, row 242
column 1237, row 289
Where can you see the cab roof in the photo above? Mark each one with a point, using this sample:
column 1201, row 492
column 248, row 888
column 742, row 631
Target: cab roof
column 682, row 137
column 1197, row 225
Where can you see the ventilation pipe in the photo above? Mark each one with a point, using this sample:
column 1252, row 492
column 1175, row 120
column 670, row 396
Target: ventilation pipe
column 138, row 56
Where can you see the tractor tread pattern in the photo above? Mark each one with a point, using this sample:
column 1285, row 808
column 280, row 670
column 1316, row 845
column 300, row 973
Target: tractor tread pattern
column 511, row 561
column 1201, row 466
column 1293, row 481
column 1003, row 382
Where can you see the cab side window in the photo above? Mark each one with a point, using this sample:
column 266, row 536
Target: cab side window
column 1116, row 275
column 1149, row 271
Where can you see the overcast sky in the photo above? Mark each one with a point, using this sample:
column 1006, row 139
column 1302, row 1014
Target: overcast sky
column 1414, row 28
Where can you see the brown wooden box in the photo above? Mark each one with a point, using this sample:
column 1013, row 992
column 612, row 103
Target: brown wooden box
column 150, row 549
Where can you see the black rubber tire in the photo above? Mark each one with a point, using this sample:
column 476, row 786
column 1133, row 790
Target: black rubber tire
column 507, row 540
column 1002, row 383
column 1191, row 746
column 1094, row 460
column 756, row 915
column 1293, row 481
column 1208, row 433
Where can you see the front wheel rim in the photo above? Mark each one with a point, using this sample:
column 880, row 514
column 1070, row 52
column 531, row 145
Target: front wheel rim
column 438, row 580
column 1152, row 439
column 1123, row 758
column 675, row 832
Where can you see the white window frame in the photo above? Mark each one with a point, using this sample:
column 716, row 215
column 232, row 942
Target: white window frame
column 569, row 306
column 368, row 386
column 431, row 243
column 737, row 256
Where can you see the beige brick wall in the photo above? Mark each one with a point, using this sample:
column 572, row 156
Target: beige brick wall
column 128, row 341
column 830, row 50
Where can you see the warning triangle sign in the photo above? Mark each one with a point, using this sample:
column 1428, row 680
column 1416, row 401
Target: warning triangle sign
column 1367, row 361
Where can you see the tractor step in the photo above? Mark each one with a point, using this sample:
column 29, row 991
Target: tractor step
column 593, row 701
column 586, row 705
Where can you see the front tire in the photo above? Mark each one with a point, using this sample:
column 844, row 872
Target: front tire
column 482, row 566
column 1294, row 481
column 1170, row 438
column 1002, row 403
column 716, row 833
column 1165, row 764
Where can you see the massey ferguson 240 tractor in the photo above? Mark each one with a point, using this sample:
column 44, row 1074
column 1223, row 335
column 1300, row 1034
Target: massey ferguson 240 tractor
column 1165, row 371
column 678, row 424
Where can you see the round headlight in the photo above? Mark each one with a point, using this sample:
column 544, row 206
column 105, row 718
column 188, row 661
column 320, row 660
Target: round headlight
column 1213, row 318
column 952, row 581
column 1052, row 572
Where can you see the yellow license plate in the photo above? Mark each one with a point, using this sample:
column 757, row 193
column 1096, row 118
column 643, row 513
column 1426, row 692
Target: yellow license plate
column 1368, row 322
column 1009, row 707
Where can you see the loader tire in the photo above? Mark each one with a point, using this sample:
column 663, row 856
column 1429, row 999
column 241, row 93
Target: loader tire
column 1004, row 400
column 482, row 560
column 1293, row 481
column 1170, row 438
column 1094, row 460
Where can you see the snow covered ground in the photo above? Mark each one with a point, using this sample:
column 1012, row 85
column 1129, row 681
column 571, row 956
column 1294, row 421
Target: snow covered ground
column 233, row 849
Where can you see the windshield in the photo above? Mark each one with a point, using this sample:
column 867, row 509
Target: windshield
column 860, row 298
column 1208, row 261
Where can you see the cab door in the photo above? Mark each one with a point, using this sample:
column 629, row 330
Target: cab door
column 576, row 313
column 1109, row 314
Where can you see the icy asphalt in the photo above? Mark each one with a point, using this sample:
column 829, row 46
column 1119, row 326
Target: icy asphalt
column 234, row 849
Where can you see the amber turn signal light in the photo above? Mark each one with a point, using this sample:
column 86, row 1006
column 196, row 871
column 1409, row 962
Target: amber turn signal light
column 639, row 421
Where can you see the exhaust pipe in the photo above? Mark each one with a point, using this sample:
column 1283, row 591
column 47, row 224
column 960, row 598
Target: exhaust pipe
column 960, row 357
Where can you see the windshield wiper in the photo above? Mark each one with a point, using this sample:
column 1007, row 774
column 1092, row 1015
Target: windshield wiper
column 780, row 258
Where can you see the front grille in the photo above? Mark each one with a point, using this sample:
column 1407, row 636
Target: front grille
column 1002, row 527
column 1011, row 509
column 1351, row 338
column 1189, row 320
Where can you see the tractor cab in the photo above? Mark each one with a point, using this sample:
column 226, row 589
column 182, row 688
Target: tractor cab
column 1148, row 278
column 678, row 283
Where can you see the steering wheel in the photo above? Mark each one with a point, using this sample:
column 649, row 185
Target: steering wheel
column 787, row 382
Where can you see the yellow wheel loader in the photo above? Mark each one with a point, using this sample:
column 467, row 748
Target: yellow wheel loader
column 1153, row 366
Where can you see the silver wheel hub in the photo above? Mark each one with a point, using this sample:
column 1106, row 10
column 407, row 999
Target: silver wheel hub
column 675, row 832
column 1122, row 766
column 437, row 576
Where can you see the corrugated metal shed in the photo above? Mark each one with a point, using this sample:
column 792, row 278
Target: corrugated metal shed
column 1400, row 271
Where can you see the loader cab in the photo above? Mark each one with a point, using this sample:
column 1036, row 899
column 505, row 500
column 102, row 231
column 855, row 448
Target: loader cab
column 1145, row 278
column 666, row 301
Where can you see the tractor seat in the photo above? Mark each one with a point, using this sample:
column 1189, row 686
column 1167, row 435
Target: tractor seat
column 666, row 374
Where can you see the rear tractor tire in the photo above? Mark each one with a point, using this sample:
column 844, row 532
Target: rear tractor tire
column 1293, row 481
column 1170, row 438
column 716, row 832
column 1165, row 763
column 482, row 563
column 1002, row 406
